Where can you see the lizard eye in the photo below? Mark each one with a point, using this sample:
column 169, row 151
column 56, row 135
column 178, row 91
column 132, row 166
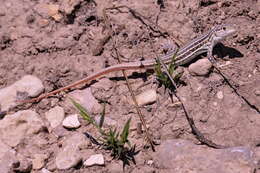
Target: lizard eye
column 224, row 28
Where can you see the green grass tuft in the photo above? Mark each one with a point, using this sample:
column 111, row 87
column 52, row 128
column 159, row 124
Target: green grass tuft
column 111, row 139
column 163, row 78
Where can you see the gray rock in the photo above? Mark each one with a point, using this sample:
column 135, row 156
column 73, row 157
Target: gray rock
column 55, row 116
column 70, row 156
column 15, row 127
column 200, row 67
column 176, row 155
column 97, row 159
column 71, row 121
column 30, row 85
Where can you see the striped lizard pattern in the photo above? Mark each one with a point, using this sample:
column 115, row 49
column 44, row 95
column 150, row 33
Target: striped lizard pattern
column 202, row 44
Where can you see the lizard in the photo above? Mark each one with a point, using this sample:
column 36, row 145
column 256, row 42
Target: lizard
column 202, row 44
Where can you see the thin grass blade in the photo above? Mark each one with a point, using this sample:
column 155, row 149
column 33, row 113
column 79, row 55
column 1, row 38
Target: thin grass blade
column 102, row 118
column 125, row 132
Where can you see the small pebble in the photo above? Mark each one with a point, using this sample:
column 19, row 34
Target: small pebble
column 150, row 162
column 220, row 95
column 71, row 122
column 257, row 92
column 53, row 11
column 44, row 170
column 97, row 159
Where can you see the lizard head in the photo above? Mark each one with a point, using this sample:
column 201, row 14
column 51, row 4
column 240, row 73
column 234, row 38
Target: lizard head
column 223, row 31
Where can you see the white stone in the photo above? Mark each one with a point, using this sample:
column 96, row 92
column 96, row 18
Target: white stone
column 146, row 97
column 200, row 67
column 150, row 162
column 97, row 159
column 14, row 128
column 55, row 116
column 71, row 121
column 44, row 170
column 220, row 95
column 28, row 84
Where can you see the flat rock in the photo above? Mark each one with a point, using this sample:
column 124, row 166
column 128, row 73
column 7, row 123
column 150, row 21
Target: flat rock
column 71, row 121
column 200, row 67
column 176, row 155
column 55, row 116
column 70, row 156
column 146, row 97
column 97, row 159
column 29, row 84
column 87, row 100
column 15, row 127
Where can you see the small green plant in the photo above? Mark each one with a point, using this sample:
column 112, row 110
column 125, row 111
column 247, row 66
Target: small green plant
column 111, row 139
column 163, row 78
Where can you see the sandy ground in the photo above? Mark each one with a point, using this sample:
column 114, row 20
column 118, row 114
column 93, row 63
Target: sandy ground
column 63, row 41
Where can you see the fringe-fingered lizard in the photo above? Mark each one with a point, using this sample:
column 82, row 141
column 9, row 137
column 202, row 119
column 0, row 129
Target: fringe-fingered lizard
column 185, row 54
